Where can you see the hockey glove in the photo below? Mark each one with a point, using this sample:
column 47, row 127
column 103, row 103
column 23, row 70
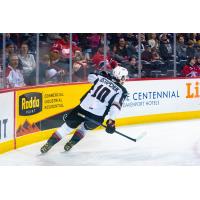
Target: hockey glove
column 110, row 126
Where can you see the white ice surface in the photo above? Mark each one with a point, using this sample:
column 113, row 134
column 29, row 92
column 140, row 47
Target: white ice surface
column 170, row 143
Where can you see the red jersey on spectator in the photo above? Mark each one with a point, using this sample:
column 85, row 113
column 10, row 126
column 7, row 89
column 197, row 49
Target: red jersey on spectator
column 191, row 71
column 98, row 60
column 94, row 40
column 64, row 47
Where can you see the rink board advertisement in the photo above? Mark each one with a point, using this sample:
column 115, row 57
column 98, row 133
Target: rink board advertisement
column 6, row 116
column 161, row 96
column 40, row 109
column 6, row 121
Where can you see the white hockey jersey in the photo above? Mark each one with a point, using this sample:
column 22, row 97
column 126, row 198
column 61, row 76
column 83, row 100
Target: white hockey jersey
column 106, row 95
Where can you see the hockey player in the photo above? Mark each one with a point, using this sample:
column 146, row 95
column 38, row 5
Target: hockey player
column 105, row 97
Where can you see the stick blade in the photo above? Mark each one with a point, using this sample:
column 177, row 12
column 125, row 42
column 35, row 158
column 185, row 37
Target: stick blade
column 141, row 136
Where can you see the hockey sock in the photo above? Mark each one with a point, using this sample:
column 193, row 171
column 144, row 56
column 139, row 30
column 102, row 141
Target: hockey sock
column 59, row 134
column 54, row 139
column 78, row 135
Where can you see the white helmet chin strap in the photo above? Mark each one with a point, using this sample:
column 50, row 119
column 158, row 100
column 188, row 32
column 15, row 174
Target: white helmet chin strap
column 122, row 81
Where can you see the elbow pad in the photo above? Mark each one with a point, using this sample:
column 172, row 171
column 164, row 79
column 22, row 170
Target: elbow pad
column 114, row 111
column 92, row 78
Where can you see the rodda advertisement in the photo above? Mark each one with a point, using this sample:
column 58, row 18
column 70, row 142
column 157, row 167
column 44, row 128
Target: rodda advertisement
column 43, row 108
column 6, row 116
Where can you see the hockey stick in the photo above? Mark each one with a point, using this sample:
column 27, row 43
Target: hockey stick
column 119, row 133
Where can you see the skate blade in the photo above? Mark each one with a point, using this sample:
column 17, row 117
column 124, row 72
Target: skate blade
column 41, row 154
column 64, row 152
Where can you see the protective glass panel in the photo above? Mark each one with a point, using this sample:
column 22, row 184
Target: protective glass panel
column 123, row 49
column 188, row 53
column 157, row 56
column 87, row 54
column 20, row 54
column 54, row 58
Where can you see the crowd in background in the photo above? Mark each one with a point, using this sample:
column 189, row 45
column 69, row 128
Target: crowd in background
column 92, row 52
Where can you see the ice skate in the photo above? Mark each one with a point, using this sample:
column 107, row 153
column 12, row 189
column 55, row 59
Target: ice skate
column 46, row 148
column 69, row 145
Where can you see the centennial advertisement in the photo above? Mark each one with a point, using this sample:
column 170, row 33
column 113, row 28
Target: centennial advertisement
column 161, row 96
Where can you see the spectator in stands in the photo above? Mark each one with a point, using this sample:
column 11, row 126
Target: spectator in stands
column 84, row 45
column 153, row 41
column 165, row 48
column 51, row 75
column 186, row 37
column 27, row 61
column 114, row 38
column 198, row 62
column 30, row 39
column 61, row 67
column 94, row 42
column 198, row 38
column 14, row 76
column 143, row 39
column 146, row 54
column 197, row 50
column 132, row 67
column 75, row 38
column 143, row 42
column 181, row 48
column 63, row 46
column 79, row 67
column 102, row 40
column 190, row 51
column 9, row 39
column 50, row 71
column 44, row 66
column 156, row 61
column 10, row 49
column 55, row 59
column 155, row 55
column 190, row 69
column 192, row 36
column 46, row 60
column 100, row 63
column 90, row 42
column 121, row 51
column 131, row 39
